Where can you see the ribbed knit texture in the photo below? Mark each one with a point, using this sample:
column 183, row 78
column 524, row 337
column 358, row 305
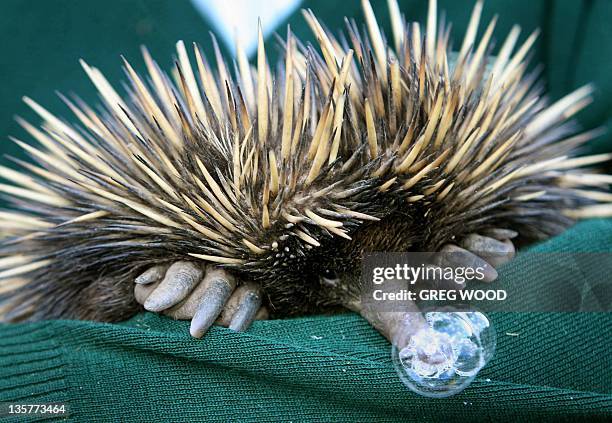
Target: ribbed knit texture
column 548, row 366
column 324, row 368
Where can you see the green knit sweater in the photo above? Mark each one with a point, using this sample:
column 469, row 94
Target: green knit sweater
column 549, row 366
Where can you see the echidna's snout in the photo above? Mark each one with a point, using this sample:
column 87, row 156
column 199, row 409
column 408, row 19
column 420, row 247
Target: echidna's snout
column 486, row 252
column 436, row 353
column 397, row 326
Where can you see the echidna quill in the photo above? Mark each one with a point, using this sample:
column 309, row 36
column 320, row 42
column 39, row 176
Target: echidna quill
column 225, row 194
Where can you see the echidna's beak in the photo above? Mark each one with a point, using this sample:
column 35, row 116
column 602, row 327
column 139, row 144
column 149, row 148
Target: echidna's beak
column 396, row 326
column 437, row 356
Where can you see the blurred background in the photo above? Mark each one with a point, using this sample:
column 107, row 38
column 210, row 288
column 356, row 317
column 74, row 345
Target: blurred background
column 43, row 41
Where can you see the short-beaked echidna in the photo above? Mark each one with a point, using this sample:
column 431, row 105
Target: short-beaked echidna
column 284, row 177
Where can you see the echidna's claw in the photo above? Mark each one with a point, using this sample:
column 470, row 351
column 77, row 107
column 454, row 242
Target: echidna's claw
column 442, row 283
column 212, row 297
column 219, row 286
column 455, row 256
column 488, row 252
column 153, row 274
column 495, row 252
column 249, row 305
column 485, row 245
column 181, row 277
column 501, row 234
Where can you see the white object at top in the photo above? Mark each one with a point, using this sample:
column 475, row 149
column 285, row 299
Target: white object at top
column 238, row 19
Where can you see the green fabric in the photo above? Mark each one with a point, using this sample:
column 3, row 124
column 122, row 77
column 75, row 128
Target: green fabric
column 316, row 369
column 548, row 366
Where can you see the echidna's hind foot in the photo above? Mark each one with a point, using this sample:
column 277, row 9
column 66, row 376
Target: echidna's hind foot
column 204, row 295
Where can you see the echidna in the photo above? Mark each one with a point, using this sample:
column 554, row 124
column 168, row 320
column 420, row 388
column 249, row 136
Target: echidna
column 278, row 181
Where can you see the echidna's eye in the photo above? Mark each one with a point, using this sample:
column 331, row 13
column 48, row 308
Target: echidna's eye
column 329, row 274
column 329, row 277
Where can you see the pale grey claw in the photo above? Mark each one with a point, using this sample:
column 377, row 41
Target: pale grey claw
column 153, row 274
column 485, row 245
column 493, row 251
column 456, row 256
column 504, row 258
column 247, row 310
column 142, row 292
column 443, row 284
column 501, row 234
column 219, row 286
column 181, row 277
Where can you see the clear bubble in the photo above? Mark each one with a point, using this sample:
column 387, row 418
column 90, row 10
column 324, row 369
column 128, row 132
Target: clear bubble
column 443, row 358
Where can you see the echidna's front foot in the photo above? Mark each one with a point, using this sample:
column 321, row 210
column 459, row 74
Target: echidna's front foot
column 187, row 291
column 487, row 251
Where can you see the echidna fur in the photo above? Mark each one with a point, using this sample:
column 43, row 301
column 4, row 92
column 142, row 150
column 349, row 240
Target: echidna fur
column 283, row 176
